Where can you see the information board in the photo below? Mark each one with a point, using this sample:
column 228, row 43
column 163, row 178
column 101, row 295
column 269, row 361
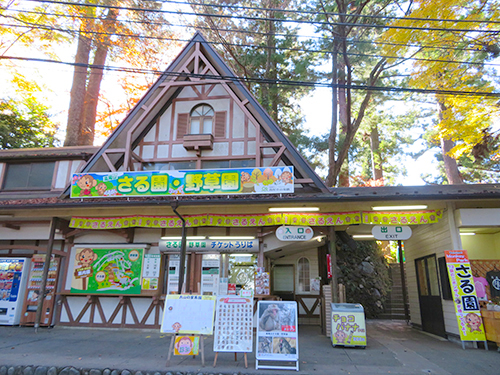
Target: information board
column 277, row 334
column 233, row 324
column 188, row 314
column 116, row 271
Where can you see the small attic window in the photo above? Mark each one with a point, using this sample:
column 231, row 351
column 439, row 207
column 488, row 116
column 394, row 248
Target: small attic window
column 202, row 119
column 29, row 176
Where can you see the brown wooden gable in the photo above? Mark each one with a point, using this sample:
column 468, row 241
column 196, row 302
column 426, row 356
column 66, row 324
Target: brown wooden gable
column 197, row 76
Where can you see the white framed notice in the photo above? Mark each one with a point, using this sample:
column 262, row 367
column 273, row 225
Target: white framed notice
column 188, row 314
column 277, row 334
column 233, row 324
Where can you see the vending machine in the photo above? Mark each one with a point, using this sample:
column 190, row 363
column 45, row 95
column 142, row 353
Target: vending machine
column 13, row 278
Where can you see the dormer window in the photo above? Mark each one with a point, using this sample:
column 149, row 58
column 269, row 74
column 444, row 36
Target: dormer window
column 202, row 119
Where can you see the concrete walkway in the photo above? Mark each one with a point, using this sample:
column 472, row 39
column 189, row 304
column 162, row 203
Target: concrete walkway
column 393, row 348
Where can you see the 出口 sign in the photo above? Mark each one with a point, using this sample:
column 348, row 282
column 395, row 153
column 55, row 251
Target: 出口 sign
column 391, row 232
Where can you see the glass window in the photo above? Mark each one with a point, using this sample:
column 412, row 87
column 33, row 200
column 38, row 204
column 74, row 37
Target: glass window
column 215, row 164
column 29, row 175
column 241, row 270
column 202, row 118
column 304, row 276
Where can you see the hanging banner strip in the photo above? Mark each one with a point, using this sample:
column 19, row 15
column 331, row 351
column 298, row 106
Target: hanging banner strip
column 258, row 220
column 402, row 218
column 143, row 221
column 326, row 219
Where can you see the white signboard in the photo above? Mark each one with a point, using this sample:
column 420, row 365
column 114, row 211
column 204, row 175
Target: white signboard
column 188, row 314
column 292, row 233
column 277, row 334
column 391, row 232
column 233, row 324
column 233, row 246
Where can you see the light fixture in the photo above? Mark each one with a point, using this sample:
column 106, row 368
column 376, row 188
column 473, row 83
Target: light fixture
column 240, row 255
column 6, row 215
column 178, row 238
column 389, row 208
column 467, row 233
column 232, row 237
column 293, row 209
column 363, row 236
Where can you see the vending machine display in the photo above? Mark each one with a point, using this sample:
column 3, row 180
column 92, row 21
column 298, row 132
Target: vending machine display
column 34, row 284
column 13, row 276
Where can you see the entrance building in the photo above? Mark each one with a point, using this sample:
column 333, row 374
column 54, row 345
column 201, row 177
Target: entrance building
column 199, row 159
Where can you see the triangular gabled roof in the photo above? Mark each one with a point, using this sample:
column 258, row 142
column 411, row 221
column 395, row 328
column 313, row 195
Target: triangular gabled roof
column 198, row 63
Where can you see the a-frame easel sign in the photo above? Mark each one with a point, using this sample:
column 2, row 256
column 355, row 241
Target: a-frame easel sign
column 277, row 335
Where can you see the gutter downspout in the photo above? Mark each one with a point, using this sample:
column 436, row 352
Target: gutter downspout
column 183, row 248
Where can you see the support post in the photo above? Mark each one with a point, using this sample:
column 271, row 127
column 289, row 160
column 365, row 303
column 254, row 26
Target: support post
column 45, row 273
column 183, row 249
column 403, row 279
column 332, row 250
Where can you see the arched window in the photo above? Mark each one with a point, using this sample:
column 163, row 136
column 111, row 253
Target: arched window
column 202, row 119
column 303, row 275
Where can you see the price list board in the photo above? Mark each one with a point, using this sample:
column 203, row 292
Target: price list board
column 233, row 324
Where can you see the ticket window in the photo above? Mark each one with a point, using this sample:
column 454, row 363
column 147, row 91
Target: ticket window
column 210, row 274
column 241, row 271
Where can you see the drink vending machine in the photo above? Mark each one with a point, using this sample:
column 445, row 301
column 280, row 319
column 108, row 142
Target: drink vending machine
column 13, row 278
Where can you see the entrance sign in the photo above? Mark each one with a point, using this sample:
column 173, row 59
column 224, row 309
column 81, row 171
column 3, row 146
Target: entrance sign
column 288, row 233
column 277, row 334
column 234, row 324
column 270, row 180
column 188, row 314
column 391, row 232
column 470, row 323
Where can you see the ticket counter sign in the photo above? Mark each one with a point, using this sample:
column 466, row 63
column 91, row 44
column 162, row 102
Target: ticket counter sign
column 470, row 323
column 270, row 180
column 348, row 324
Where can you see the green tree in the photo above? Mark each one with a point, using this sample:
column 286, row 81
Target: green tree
column 453, row 40
column 25, row 124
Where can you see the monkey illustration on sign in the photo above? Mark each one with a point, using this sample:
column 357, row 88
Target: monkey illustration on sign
column 86, row 257
column 86, row 183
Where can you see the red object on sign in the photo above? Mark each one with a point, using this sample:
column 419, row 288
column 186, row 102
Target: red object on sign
column 288, row 329
column 231, row 288
column 329, row 265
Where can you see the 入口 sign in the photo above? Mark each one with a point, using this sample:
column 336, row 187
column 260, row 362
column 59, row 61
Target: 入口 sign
column 391, row 232
column 293, row 233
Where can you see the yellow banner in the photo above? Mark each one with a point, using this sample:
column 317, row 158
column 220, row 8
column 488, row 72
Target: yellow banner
column 470, row 323
column 402, row 218
column 259, row 220
column 142, row 221
column 326, row 219
column 245, row 220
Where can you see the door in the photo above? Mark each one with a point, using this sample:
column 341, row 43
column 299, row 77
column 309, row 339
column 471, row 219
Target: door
column 284, row 282
column 429, row 295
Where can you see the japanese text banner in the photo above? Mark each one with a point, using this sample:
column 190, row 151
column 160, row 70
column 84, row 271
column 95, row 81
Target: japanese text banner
column 270, row 180
column 470, row 323
column 402, row 218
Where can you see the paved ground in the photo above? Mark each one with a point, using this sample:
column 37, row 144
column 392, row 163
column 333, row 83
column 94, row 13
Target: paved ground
column 393, row 348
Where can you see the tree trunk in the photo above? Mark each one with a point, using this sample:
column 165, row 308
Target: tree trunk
column 344, row 122
column 331, row 178
column 87, row 130
column 377, row 171
column 78, row 88
column 450, row 164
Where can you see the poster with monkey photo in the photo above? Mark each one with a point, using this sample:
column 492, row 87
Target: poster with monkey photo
column 113, row 271
column 277, row 334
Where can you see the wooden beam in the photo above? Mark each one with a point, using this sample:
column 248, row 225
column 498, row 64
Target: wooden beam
column 11, row 226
